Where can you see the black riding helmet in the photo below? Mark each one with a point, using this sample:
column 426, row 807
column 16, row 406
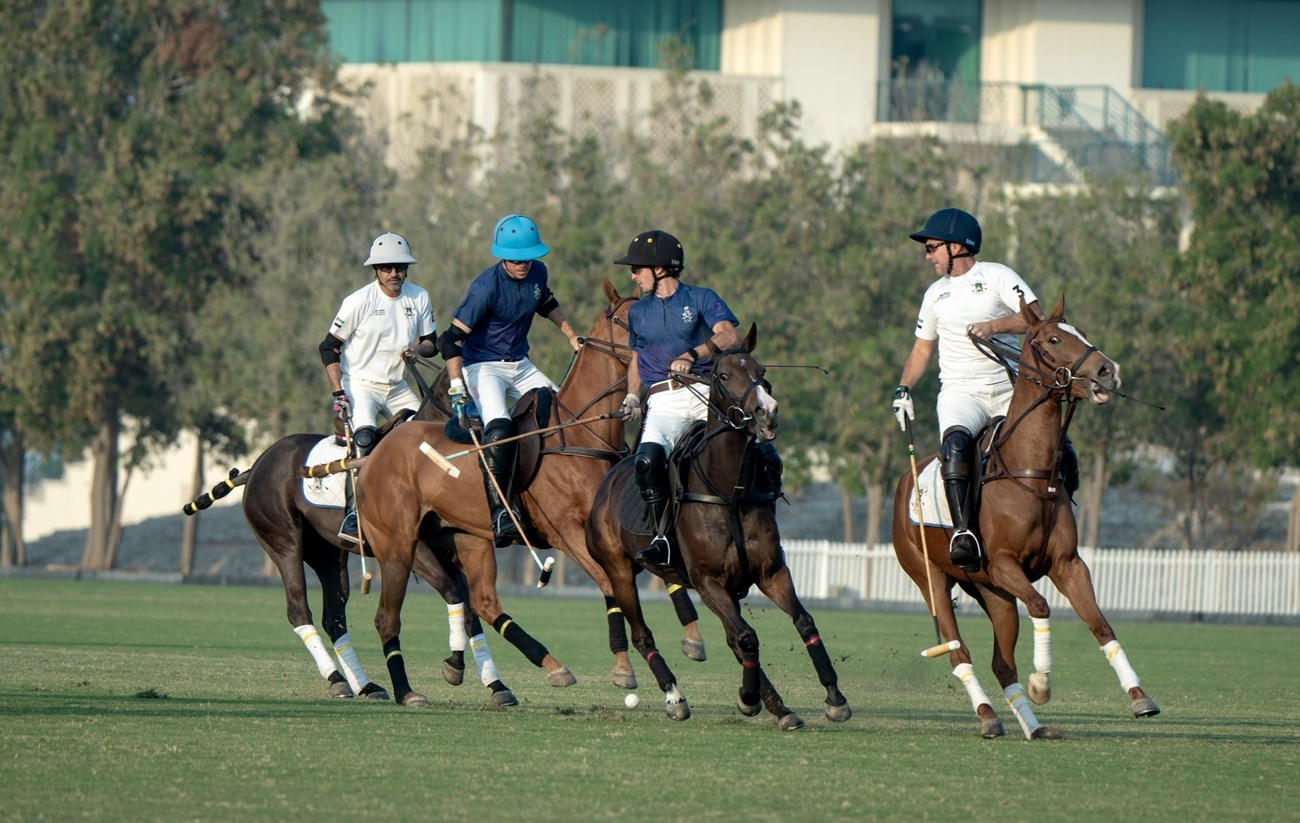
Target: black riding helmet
column 951, row 226
column 654, row 248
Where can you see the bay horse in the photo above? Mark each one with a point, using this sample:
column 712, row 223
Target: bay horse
column 294, row 533
column 1027, row 527
column 727, row 536
column 406, row 496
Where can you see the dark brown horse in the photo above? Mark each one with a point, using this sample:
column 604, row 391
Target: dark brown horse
column 294, row 533
column 727, row 535
column 406, row 496
column 1027, row 526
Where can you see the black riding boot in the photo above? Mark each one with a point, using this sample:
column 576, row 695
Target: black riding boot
column 499, row 462
column 956, row 454
column 651, row 468
column 1069, row 468
column 363, row 440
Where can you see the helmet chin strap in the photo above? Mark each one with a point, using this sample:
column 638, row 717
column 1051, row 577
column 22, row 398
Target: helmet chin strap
column 952, row 257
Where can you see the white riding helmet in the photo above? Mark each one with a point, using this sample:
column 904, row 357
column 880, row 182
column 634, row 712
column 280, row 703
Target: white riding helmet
column 389, row 248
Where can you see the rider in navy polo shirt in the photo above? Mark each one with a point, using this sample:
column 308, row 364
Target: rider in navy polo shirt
column 486, row 346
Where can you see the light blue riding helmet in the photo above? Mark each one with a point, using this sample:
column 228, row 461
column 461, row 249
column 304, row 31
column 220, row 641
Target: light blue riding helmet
column 516, row 238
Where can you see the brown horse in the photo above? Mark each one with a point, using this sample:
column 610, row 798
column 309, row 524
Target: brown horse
column 1027, row 526
column 406, row 495
column 728, row 539
column 294, row 533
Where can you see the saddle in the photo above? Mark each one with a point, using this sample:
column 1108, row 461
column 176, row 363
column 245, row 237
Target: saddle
column 341, row 438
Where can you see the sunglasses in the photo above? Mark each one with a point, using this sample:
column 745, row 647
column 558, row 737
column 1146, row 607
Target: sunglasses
column 930, row 247
column 400, row 268
column 519, row 262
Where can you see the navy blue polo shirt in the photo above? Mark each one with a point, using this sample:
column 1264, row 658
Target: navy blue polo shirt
column 498, row 310
column 662, row 329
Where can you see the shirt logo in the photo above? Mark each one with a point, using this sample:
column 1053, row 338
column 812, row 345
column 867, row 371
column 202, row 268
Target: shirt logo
column 979, row 286
column 338, row 322
column 409, row 310
column 688, row 316
column 537, row 292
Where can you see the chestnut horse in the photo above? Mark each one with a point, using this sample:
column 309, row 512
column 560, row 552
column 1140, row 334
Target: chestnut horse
column 727, row 535
column 1027, row 526
column 405, row 496
column 294, row 533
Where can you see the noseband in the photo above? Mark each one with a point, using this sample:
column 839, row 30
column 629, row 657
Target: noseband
column 734, row 415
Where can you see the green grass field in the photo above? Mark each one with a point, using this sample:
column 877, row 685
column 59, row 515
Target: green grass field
column 129, row 701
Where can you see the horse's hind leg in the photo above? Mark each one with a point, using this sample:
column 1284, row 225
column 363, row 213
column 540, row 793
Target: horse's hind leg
column 331, row 567
column 780, row 590
column 692, row 642
column 755, row 688
column 1074, row 581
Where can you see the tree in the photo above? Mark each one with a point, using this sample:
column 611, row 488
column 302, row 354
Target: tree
column 132, row 124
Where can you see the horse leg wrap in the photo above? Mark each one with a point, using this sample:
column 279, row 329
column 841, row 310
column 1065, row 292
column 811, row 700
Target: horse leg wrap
column 350, row 664
column 821, row 662
column 965, row 672
column 311, row 639
column 457, row 638
column 520, row 639
column 487, row 667
column 396, row 669
column 1128, row 679
column 750, row 680
column 659, row 668
column 1042, row 644
column 1015, row 694
column 686, row 613
column 617, row 626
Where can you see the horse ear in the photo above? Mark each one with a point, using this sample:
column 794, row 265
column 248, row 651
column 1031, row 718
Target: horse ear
column 1059, row 311
column 611, row 293
column 751, row 339
column 1030, row 316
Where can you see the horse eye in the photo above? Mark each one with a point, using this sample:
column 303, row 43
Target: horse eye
column 1053, row 340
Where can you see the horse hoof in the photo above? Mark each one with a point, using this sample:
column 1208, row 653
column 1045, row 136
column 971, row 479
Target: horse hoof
column 1145, row 707
column 991, row 727
column 1040, row 687
column 694, row 649
column 748, row 710
column 504, row 698
column 561, row 677
column 1045, row 733
column 790, row 722
column 454, row 676
column 415, row 700
column 679, row 710
column 373, row 691
column 340, row 690
column 624, row 678
column 838, row 714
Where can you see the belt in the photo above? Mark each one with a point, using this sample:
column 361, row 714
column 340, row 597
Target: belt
column 665, row 385
column 378, row 383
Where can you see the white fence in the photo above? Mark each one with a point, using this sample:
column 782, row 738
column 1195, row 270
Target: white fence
column 1126, row 580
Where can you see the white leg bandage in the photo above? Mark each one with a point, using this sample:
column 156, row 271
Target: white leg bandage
column 456, row 627
column 311, row 639
column 1042, row 644
column 965, row 672
column 1015, row 694
column 487, row 667
column 349, row 663
column 1128, row 679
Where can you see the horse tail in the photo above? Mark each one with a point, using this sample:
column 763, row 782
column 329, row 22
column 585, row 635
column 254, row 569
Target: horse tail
column 225, row 487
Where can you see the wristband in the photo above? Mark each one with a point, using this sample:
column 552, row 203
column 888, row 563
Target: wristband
column 695, row 358
column 456, row 383
column 901, row 391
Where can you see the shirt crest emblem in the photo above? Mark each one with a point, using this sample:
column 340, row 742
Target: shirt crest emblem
column 537, row 292
column 688, row 316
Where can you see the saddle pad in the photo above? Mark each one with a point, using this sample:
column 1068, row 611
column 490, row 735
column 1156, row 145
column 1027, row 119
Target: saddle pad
column 933, row 502
column 328, row 491
column 634, row 513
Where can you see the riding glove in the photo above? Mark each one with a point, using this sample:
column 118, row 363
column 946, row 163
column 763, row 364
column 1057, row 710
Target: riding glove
column 342, row 405
column 903, row 406
column 631, row 408
column 459, row 400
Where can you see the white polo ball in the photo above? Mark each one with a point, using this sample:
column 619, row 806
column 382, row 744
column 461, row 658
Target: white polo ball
column 632, row 701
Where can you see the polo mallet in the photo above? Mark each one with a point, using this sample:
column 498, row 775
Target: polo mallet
column 549, row 565
column 933, row 651
column 356, row 501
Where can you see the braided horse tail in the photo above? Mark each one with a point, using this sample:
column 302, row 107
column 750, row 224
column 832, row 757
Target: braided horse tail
column 225, row 487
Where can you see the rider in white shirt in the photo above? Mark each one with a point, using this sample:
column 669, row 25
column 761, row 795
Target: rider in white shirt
column 970, row 299
column 376, row 329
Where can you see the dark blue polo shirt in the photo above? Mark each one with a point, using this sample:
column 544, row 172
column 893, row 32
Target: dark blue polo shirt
column 499, row 313
column 661, row 330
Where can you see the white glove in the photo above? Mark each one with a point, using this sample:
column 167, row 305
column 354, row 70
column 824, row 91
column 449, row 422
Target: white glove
column 903, row 406
column 459, row 399
column 631, row 408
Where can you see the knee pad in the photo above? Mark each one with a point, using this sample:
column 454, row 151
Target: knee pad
column 956, row 454
column 651, row 468
column 364, row 439
column 496, row 430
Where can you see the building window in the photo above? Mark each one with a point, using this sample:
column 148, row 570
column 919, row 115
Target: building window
column 1220, row 45
column 934, row 62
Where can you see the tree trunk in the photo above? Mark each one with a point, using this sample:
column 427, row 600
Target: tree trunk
column 1093, row 487
column 190, row 531
column 875, row 505
column 1293, row 523
column 13, row 551
column 846, row 507
column 115, row 530
column 103, row 490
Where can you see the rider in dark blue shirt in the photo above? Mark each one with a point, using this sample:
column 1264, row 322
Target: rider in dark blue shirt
column 486, row 346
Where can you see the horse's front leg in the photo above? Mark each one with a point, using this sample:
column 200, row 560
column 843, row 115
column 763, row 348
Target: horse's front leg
column 623, row 581
column 1072, row 578
column 331, row 567
column 478, row 559
column 779, row 588
column 395, row 568
column 1007, row 574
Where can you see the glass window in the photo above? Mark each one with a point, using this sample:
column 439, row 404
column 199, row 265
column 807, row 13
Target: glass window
column 936, row 40
column 1220, row 45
